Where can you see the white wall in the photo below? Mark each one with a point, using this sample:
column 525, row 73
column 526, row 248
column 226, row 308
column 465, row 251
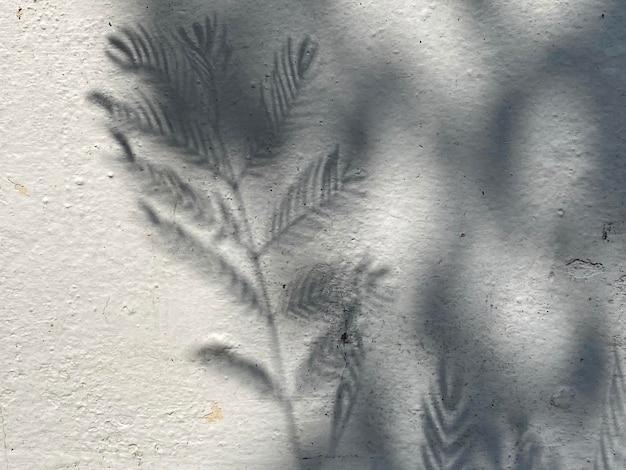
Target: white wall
column 490, row 134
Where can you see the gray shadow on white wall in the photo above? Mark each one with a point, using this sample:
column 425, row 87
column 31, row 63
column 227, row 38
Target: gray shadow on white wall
column 468, row 347
column 461, row 425
column 200, row 190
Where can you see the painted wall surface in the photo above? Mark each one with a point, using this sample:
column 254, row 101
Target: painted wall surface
column 312, row 234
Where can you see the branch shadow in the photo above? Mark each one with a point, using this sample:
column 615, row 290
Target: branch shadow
column 185, row 81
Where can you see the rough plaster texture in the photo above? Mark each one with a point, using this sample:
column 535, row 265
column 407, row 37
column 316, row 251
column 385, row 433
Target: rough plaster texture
column 490, row 134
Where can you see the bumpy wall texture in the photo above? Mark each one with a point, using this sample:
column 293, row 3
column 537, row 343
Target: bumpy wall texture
column 313, row 235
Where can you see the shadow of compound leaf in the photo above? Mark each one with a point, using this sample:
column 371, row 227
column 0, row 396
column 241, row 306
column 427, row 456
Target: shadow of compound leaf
column 204, row 216
column 611, row 453
column 448, row 425
column 256, row 376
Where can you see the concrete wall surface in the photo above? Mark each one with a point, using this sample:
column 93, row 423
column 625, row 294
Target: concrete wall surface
column 312, row 234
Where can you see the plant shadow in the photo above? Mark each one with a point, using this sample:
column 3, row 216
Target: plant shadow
column 199, row 191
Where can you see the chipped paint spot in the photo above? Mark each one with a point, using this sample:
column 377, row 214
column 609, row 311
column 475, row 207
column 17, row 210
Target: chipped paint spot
column 18, row 187
column 582, row 269
column 19, row 13
column 215, row 414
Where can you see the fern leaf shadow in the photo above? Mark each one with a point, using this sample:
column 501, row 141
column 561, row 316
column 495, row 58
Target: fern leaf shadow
column 315, row 190
column 254, row 375
column 336, row 296
column 204, row 214
column 529, row 450
column 448, row 425
column 277, row 102
column 611, row 451
column 199, row 253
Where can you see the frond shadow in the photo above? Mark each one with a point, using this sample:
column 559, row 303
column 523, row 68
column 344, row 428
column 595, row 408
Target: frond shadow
column 336, row 359
column 200, row 253
column 313, row 193
column 163, row 181
column 611, row 452
column 279, row 97
column 254, row 375
column 180, row 106
column 529, row 452
column 448, row 424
